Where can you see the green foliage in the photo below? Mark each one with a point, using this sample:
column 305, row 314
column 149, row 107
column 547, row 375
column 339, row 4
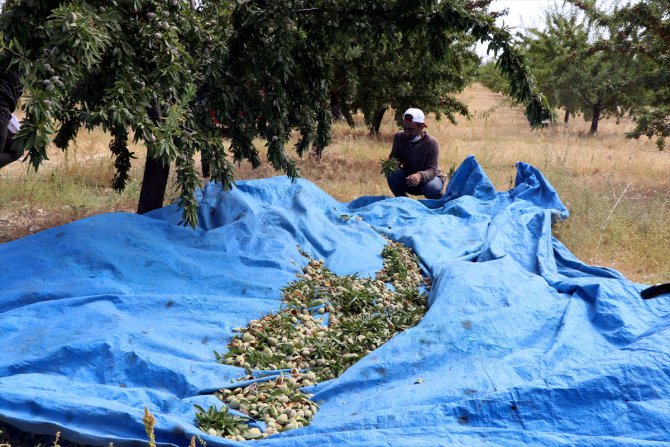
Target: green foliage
column 260, row 69
column 326, row 324
column 489, row 76
column 389, row 166
column 639, row 35
column 401, row 69
column 104, row 63
column 119, row 148
column 575, row 73
column 363, row 313
column 220, row 420
column 523, row 86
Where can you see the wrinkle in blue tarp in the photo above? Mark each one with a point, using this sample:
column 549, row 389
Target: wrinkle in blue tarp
column 523, row 344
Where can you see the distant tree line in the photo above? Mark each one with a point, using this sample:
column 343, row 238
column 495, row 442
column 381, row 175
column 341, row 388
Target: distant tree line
column 600, row 62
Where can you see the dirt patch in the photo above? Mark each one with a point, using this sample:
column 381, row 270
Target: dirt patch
column 24, row 220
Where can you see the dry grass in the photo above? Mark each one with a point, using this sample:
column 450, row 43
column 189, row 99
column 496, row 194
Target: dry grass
column 590, row 174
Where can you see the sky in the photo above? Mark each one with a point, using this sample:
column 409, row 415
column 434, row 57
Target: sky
column 522, row 14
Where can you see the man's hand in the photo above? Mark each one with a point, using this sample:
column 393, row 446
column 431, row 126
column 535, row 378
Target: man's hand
column 413, row 180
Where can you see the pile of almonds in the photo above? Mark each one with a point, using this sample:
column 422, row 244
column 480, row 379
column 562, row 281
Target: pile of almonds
column 326, row 324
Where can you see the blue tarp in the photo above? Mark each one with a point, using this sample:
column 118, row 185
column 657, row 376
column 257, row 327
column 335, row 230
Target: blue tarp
column 523, row 344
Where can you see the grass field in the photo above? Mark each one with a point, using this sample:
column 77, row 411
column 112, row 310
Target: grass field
column 617, row 190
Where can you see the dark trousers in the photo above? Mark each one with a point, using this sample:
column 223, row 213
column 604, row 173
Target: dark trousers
column 398, row 185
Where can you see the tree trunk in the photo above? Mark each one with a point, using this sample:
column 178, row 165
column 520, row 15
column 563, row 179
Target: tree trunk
column 155, row 177
column 153, row 185
column 377, row 121
column 204, row 162
column 349, row 118
column 336, row 111
column 567, row 116
column 596, row 117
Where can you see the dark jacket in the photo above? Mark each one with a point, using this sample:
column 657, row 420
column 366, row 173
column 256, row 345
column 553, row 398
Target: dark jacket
column 418, row 157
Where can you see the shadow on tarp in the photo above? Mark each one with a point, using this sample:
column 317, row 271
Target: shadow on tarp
column 522, row 344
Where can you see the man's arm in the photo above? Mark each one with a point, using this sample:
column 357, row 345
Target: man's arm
column 395, row 149
column 430, row 170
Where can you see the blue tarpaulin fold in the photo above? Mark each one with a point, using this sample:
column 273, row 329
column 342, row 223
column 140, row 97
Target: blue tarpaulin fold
column 523, row 344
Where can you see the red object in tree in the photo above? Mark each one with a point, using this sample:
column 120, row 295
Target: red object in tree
column 212, row 115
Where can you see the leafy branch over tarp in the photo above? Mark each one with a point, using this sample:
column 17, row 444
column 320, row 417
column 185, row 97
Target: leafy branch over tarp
column 178, row 76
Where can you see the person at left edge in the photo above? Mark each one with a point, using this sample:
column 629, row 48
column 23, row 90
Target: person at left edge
column 10, row 92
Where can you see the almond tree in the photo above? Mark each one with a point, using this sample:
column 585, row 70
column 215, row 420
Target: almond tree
column 640, row 34
column 575, row 72
column 126, row 66
column 402, row 69
column 176, row 74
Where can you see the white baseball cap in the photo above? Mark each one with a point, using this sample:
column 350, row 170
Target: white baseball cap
column 416, row 114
